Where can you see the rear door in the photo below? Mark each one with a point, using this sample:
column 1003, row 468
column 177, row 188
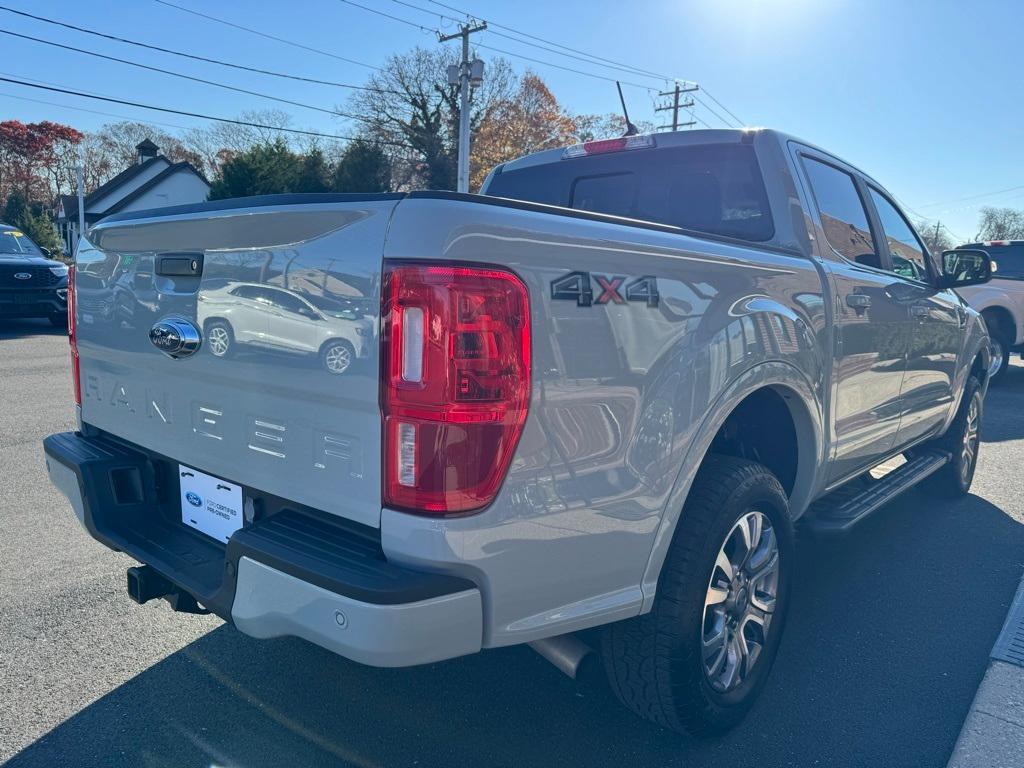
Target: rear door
column 870, row 345
column 292, row 324
column 278, row 424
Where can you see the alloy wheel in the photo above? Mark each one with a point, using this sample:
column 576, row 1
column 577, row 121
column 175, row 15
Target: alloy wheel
column 218, row 340
column 740, row 601
column 338, row 358
column 969, row 450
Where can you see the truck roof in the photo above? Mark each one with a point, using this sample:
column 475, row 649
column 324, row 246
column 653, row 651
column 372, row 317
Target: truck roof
column 682, row 139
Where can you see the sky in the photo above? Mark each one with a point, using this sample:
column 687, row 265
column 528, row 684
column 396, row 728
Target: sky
column 922, row 95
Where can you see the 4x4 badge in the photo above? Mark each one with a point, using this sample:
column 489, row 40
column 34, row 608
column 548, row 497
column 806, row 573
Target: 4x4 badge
column 576, row 286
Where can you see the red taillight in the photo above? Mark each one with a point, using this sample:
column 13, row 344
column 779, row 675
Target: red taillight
column 455, row 384
column 72, row 339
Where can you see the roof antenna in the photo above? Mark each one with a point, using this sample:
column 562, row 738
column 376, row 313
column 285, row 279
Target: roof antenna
column 631, row 130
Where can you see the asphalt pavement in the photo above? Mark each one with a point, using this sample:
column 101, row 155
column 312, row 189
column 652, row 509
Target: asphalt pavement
column 888, row 638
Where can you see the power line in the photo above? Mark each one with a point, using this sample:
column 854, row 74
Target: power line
column 709, row 109
column 292, row 43
column 492, row 48
column 585, row 58
column 567, row 69
column 89, row 111
column 199, row 115
column 193, row 56
column 729, row 111
column 973, row 197
column 420, row 27
column 181, row 75
column 595, row 57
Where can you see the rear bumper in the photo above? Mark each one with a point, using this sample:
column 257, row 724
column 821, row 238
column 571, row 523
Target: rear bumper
column 292, row 571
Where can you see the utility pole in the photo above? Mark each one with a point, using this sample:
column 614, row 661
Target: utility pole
column 676, row 105
column 80, row 179
column 938, row 225
column 467, row 73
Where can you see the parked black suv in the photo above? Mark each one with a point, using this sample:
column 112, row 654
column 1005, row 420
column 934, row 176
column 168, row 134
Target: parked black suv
column 31, row 285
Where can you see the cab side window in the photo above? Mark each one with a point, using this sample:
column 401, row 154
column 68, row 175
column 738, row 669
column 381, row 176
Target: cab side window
column 843, row 216
column 908, row 255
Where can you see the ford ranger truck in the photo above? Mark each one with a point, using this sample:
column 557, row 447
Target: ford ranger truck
column 597, row 396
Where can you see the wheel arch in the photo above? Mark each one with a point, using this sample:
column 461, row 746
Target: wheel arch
column 800, row 409
column 1003, row 315
column 217, row 319
column 327, row 342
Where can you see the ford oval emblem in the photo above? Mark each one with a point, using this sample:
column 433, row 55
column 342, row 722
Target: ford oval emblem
column 175, row 336
column 22, row 275
column 194, row 499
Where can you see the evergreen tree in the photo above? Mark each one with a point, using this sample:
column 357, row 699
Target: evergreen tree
column 363, row 167
column 265, row 169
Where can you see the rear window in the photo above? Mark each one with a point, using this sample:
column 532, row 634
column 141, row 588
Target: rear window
column 1009, row 259
column 713, row 188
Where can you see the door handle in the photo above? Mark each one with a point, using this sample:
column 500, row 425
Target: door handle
column 858, row 300
column 918, row 310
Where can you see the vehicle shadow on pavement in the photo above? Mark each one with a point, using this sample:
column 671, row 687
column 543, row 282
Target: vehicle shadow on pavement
column 1007, row 399
column 888, row 637
column 15, row 328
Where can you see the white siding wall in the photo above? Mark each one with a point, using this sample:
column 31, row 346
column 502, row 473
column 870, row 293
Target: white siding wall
column 181, row 188
column 122, row 190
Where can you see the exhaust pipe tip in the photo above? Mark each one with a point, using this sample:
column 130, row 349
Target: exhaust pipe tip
column 566, row 652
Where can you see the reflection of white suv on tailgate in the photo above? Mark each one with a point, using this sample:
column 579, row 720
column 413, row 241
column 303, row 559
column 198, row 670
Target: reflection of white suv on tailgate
column 279, row 319
column 1001, row 302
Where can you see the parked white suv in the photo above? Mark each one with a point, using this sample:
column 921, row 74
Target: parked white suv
column 274, row 318
column 1001, row 302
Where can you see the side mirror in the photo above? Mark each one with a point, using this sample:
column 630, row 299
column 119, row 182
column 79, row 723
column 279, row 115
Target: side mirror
column 46, row 251
column 965, row 267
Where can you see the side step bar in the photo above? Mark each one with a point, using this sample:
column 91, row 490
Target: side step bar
column 838, row 512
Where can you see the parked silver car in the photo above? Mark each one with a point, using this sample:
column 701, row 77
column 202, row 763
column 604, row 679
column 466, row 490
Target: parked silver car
column 274, row 318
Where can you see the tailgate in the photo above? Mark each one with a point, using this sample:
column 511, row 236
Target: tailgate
column 282, row 394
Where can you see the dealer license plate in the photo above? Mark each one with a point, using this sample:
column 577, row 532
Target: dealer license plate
column 210, row 504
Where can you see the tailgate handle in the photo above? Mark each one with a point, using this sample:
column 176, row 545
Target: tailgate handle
column 180, row 264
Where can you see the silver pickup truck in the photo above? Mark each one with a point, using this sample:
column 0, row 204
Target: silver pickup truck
column 598, row 395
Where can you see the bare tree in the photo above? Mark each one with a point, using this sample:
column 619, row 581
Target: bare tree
column 590, row 127
column 935, row 236
column 413, row 104
column 218, row 142
column 118, row 141
column 1000, row 224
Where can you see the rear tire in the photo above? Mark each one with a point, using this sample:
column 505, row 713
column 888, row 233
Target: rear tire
column 962, row 440
column 220, row 339
column 672, row 665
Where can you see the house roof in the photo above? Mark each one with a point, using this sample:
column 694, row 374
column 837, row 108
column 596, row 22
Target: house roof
column 69, row 203
column 144, row 188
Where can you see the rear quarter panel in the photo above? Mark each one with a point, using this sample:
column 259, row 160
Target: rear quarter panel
column 623, row 399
